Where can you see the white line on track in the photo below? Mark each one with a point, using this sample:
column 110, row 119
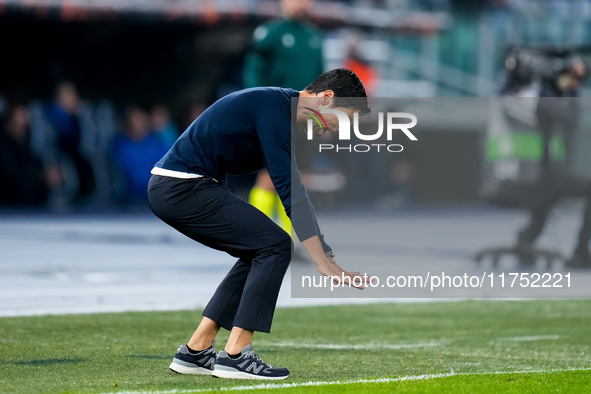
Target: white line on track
column 531, row 338
column 344, row 346
column 269, row 386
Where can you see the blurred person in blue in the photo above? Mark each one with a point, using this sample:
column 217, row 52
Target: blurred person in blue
column 24, row 179
column 135, row 150
column 63, row 114
column 162, row 124
column 286, row 52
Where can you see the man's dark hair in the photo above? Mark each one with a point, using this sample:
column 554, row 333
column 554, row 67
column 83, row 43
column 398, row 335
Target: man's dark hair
column 347, row 87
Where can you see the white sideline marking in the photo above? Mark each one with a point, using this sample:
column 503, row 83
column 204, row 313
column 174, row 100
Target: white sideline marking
column 531, row 338
column 270, row 386
column 339, row 346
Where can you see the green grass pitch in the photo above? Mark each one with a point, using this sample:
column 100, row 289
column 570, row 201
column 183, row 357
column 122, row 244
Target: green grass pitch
column 461, row 347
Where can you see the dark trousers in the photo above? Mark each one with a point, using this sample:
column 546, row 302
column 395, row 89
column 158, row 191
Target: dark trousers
column 207, row 212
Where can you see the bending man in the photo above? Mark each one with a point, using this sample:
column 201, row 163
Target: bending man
column 240, row 133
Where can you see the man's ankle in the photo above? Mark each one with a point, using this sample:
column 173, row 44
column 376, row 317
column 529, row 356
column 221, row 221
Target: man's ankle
column 199, row 346
column 234, row 350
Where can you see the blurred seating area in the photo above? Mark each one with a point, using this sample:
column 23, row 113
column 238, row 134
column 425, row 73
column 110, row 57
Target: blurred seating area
column 96, row 90
column 68, row 152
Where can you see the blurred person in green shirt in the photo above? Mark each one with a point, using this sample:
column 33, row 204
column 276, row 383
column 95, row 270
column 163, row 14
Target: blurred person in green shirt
column 286, row 52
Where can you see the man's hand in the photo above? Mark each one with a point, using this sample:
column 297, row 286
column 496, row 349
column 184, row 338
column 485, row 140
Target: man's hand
column 328, row 267
column 331, row 269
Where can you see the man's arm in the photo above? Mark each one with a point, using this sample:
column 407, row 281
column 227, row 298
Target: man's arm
column 277, row 145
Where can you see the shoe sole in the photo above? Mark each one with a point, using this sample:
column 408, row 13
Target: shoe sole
column 231, row 373
column 184, row 370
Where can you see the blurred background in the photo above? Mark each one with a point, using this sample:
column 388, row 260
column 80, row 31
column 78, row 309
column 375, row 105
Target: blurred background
column 90, row 83
column 94, row 92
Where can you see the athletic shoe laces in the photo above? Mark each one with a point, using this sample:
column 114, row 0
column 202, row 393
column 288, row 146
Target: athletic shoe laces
column 251, row 353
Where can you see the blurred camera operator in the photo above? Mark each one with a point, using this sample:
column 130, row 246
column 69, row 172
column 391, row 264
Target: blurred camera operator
column 558, row 112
